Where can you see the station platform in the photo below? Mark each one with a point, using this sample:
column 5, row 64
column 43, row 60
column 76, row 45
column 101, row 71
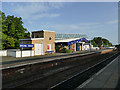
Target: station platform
column 108, row 77
column 8, row 62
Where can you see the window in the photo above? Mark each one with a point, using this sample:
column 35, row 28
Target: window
column 49, row 47
column 37, row 36
column 50, row 38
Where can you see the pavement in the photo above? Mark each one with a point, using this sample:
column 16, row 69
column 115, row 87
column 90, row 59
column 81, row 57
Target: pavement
column 8, row 62
column 108, row 77
column 10, row 58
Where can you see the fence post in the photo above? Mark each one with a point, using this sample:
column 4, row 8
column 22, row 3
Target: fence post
column 21, row 52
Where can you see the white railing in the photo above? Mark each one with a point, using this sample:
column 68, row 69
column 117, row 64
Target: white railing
column 16, row 53
column 26, row 53
column 3, row 52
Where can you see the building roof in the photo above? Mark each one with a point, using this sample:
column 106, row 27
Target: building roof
column 42, row 30
column 59, row 36
column 31, row 39
column 71, row 41
column 66, row 40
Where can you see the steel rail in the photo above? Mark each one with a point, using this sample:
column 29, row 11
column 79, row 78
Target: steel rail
column 78, row 79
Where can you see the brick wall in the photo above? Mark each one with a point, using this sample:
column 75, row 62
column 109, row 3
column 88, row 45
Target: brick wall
column 49, row 38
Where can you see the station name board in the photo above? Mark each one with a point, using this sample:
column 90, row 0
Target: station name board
column 26, row 45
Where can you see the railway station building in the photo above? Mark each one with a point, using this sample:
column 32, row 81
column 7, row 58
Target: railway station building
column 43, row 41
column 74, row 42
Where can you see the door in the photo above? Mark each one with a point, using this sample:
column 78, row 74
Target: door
column 38, row 49
column 77, row 47
column 80, row 46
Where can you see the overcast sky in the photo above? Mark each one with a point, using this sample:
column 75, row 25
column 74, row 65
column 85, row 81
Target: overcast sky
column 93, row 19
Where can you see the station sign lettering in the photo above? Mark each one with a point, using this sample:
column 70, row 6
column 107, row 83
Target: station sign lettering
column 26, row 45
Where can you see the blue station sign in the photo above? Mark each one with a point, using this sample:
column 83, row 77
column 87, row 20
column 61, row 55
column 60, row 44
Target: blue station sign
column 26, row 45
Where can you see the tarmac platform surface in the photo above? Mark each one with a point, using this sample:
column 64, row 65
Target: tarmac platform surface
column 108, row 77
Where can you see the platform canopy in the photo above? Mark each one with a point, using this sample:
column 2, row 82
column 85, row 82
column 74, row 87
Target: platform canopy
column 71, row 41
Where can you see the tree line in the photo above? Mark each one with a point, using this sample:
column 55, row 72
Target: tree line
column 12, row 31
column 99, row 41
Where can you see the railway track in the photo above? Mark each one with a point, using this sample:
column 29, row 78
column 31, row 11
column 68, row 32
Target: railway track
column 69, row 67
column 34, row 71
column 10, row 71
column 76, row 80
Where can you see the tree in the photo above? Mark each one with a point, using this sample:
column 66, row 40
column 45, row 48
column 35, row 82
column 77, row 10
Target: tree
column 99, row 41
column 109, row 44
column 93, row 42
column 10, row 42
column 4, row 38
column 27, row 35
column 12, row 31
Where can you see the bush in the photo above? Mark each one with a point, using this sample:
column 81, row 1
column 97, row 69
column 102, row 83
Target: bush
column 68, row 51
column 64, row 50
